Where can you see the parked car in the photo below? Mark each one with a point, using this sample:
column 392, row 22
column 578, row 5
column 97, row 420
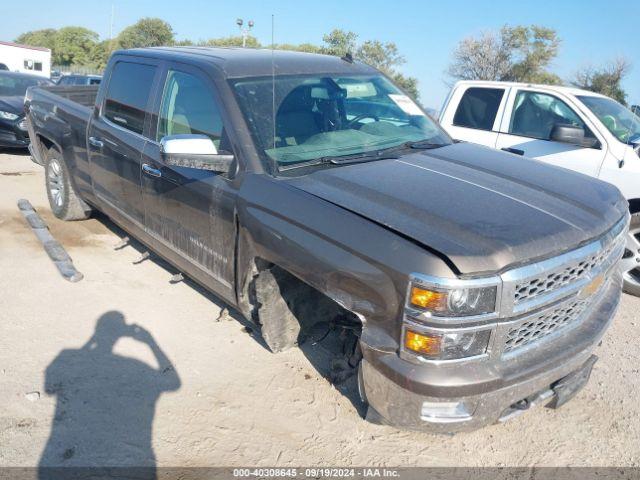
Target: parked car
column 79, row 80
column 305, row 188
column 568, row 127
column 13, row 86
column 636, row 109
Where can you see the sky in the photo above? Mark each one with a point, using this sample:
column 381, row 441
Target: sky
column 426, row 32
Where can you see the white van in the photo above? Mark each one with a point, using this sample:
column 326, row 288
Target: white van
column 568, row 127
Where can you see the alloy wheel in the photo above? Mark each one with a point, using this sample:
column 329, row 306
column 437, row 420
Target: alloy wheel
column 55, row 181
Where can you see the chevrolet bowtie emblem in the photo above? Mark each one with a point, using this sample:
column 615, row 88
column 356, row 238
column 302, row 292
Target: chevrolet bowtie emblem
column 592, row 287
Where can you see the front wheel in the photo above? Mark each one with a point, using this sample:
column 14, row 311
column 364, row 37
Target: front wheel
column 630, row 263
column 63, row 199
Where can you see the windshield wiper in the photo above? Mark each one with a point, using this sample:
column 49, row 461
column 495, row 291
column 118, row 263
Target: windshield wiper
column 425, row 145
column 341, row 160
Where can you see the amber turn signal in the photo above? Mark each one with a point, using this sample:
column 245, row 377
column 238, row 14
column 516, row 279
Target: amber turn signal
column 424, row 343
column 428, row 299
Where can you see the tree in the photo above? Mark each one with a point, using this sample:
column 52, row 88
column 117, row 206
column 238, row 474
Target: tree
column 383, row 56
column 339, row 43
column 39, row 38
column 232, row 41
column 606, row 80
column 73, row 46
column 146, row 32
column 519, row 54
column 99, row 55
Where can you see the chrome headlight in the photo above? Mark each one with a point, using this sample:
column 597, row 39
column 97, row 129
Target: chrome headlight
column 8, row 115
column 455, row 301
column 437, row 310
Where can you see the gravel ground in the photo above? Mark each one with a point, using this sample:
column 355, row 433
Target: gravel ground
column 75, row 374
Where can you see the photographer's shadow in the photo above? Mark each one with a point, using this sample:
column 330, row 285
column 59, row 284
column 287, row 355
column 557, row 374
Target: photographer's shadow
column 105, row 402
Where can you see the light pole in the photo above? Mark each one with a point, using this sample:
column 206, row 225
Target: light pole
column 244, row 31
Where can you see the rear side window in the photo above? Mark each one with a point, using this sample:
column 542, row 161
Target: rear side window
column 128, row 95
column 478, row 108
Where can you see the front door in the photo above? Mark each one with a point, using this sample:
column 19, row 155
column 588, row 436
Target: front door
column 116, row 137
column 527, row 132
column 187, row 209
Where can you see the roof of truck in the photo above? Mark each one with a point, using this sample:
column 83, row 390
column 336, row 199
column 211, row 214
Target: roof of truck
column 555, row 88
column 244, row 62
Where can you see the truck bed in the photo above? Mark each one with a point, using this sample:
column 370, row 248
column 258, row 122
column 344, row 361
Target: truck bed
column 61, row 115
column 84, row 95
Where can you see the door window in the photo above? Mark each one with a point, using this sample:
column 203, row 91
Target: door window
column 128, row 95
column 535, row 114
column 189, row 107
column 478, row 108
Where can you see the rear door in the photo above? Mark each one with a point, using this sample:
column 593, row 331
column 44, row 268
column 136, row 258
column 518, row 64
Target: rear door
column 117, row 136
column 477, row 116
column 526, row 130
column 190, row 210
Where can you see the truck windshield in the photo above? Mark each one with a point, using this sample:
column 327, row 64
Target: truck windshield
column 619, row 120
column 331, row 116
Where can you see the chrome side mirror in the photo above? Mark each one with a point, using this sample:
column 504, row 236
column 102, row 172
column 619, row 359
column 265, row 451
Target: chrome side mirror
column 194, row 151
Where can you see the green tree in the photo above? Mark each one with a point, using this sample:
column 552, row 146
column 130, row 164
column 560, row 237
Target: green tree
column 39, row 38
column 338, row 42
column 232, row 41
column 146, row 32
column 606, row 80
column 99, row 55
column 520, row 54
column 73, row 46
column 302, row 47
column 533, row 49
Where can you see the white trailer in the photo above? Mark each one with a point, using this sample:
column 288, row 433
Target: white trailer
column 25, row 59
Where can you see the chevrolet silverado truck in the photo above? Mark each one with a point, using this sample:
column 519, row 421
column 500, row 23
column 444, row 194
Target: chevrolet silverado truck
column 303, row 188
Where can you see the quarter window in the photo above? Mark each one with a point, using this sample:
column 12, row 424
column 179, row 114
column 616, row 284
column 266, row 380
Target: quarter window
column 478, row 108
column 535, row 114
column 128, row 95
column 189, row 107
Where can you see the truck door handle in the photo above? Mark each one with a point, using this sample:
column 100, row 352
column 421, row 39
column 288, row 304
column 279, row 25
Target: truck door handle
column 95, row 142
column 514, row 150
column 149, row 170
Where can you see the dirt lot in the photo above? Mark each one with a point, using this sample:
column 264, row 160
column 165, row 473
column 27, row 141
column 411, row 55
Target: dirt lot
column 73, row 375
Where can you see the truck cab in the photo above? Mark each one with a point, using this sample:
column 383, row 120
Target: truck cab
column 567, row 127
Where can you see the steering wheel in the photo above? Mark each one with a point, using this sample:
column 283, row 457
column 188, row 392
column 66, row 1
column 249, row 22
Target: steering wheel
column 360, row 117
column 610, row 121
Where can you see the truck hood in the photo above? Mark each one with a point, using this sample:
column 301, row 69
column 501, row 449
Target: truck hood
column 12, row 104
column 483, row 209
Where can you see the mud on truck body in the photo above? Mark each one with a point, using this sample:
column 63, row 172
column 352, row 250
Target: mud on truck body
column 300, row 188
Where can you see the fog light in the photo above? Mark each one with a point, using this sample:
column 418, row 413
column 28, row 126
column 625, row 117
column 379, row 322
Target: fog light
column 424, row 343
column 449, row 345
column 444, row 412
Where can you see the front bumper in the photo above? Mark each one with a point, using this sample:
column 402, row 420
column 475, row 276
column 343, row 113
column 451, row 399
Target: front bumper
column 13, row 133
column 397, row 389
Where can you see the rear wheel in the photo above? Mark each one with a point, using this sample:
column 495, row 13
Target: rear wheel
column 63, row 199
column 630, row 263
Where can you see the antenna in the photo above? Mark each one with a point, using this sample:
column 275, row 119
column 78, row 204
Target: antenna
column 113, row 7
column 273, row 80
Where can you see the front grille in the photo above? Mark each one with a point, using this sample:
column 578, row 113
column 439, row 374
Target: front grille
column 545, row 324
column 542, row 285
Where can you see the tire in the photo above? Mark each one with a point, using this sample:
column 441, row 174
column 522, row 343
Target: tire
column 630, row 263
column 280, row 328
column 63, row 198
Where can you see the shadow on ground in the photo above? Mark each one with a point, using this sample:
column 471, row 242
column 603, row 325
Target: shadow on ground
column 105, row 403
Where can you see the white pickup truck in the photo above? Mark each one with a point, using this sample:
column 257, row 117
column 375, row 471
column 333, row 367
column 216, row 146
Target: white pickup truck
column 567, row 127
